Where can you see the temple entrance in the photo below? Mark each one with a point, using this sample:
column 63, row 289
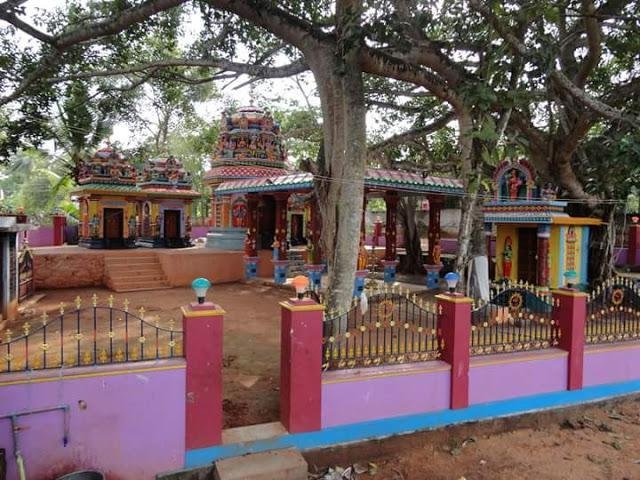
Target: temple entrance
column 171, row 226
column 266, row 222
column 527, row 254
column 297, row 222
column 113, row 227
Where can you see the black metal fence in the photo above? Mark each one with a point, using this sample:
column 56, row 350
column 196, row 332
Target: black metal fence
column 613, row 312
column 392, row 327
column 517, row 317
column 92, row 335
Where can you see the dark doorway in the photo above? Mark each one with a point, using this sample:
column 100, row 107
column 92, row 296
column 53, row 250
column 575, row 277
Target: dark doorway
column 527, row 254
column 113, row 227
column 297, row 222
column 267, row 222
column 171, row 226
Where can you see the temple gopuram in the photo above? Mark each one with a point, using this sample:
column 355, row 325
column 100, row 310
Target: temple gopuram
column 259, row 205
column 118, row 209
column 536, row 240
column 250, row 146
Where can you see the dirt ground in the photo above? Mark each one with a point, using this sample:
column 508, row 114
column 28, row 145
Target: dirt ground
column 251, row 338
column 592, row 442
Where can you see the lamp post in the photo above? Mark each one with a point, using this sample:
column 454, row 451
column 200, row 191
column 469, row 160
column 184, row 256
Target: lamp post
column 300, row 283
column 570, row 277
column 200, row 287
column 452, row 279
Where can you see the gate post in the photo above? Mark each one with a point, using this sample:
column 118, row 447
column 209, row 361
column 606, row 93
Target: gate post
column 202, row 325
column 59, row 222
column 301, row 365
column 454, row 334
column 570, row 314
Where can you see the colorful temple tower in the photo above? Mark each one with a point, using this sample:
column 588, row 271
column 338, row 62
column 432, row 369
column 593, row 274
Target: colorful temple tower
column 164, row 213
column 250, row 146
column 536, row 240
column 118, row 209
column 107, row 196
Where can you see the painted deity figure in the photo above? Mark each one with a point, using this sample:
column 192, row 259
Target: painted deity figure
column 437, row 252
column 362, row 256
column 514, row 183
column 507, row 256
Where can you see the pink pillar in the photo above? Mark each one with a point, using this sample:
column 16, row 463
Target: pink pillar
column 301, row 365
column 202, row 324
column 634, row 244
column 570, row 315
column 454, row 334
column 59, row 222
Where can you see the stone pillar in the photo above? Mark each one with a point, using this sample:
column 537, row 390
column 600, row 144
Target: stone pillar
column 435, row 206
column 570, row 315
column 202, row 325
column 454, row 333
column 59, row 222
column 488, row 233
column 390, row 263
column 281, row 225
column 633, row 245
column 544, row 233
column 250, row 242
column 301, row 365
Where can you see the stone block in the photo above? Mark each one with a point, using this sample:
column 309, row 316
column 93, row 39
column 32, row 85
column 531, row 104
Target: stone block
column 277, row 464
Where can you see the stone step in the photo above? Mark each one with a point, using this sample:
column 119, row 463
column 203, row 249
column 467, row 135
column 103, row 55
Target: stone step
column 140, row 277
column 286, row 464
column 134, row 269
column 128, row 260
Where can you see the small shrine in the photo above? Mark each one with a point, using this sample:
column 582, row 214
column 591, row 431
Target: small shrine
column 119, row 209
column 164, row 218
column 536, row 241
column 249, row 146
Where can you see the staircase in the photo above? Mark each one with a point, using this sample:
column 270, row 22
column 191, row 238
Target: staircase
column 132, row 273
column 296, row 263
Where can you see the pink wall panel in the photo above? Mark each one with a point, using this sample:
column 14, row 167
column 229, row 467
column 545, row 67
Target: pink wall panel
column 611, row 363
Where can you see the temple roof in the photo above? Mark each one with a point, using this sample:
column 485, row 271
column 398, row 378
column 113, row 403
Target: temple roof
column 107, row 166
column 133, row 190
column 411, row 183
column 164, row 173
column 249, row 145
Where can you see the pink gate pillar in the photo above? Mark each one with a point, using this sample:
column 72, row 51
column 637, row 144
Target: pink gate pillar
column 59, row 222
column 454, row 334
column 301, row 365
column 570, row 314
column 202, row 324
column 634, row 243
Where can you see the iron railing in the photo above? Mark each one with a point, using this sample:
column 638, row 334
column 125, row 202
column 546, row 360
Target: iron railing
column 93, row 335
column 613, row 312
column 394, row 327
column 517, row 317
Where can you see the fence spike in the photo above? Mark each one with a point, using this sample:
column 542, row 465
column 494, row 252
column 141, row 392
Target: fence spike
column 94, row 300
column 7, row 334
column 141, row 312
column 26, row 327
column 78, row 302
column 61, row 308
column 44, row 318
column 110, row 300
column 126, row 304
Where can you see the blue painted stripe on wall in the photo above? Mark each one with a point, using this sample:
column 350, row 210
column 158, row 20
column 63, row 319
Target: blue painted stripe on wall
column 393, row 426
column 561, row 259
column 584, row 256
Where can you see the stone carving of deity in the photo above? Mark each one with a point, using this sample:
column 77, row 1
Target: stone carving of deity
column 514, row 183
column 243, row 123
column 242, row 143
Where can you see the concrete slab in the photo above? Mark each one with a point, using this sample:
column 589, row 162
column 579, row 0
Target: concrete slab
column 280, row 464
column 252, row 433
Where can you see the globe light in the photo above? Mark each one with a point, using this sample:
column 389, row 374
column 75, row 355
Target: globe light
column 200, row 286
column 452, row 279
column 570, row 277
column 300, row 283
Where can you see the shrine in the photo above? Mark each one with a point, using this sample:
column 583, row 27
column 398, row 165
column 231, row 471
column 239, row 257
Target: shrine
column 118, row 209
column 537, row 242
column 249, row 146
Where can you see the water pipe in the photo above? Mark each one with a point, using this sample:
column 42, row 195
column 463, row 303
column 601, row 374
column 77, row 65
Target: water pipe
column 15, row 429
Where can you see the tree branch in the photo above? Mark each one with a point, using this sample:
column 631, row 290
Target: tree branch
column 594, row 39
column 413, row 134
column 10, row 17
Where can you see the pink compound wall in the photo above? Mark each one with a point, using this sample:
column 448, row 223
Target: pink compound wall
column 360, row 395
column 613, row 363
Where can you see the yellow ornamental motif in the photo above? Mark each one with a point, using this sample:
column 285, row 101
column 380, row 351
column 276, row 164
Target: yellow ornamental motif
column 87, row 358
column 26, row 328
column 142, row 339
column 119, row 356
column 102, row 356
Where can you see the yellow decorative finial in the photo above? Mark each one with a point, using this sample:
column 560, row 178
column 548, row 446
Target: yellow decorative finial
column 44, row 318
column 61, row 308
column 78, row 302
column 171, row 324
column 7, row 335
column 110, row 301
column 26, row 327
column 94, row 300
column 141, row 312
column 126, row 304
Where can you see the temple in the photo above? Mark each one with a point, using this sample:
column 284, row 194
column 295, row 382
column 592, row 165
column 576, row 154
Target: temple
column 249, row 146
column 119, row 209
column 259, row 205
column 537, row 242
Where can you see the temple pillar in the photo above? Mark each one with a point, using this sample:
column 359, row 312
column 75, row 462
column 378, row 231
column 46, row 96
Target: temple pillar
column 544, row 232
column 280, row 242
column 435, row 207
column 315, row 266
column 488, row 235
column 390, row 262
column 250, row 251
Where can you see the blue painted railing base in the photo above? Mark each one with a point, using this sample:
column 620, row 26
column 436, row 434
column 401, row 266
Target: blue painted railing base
column 357, row 432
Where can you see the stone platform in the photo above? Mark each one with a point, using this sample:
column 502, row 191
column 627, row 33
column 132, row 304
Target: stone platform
column 74, row 267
